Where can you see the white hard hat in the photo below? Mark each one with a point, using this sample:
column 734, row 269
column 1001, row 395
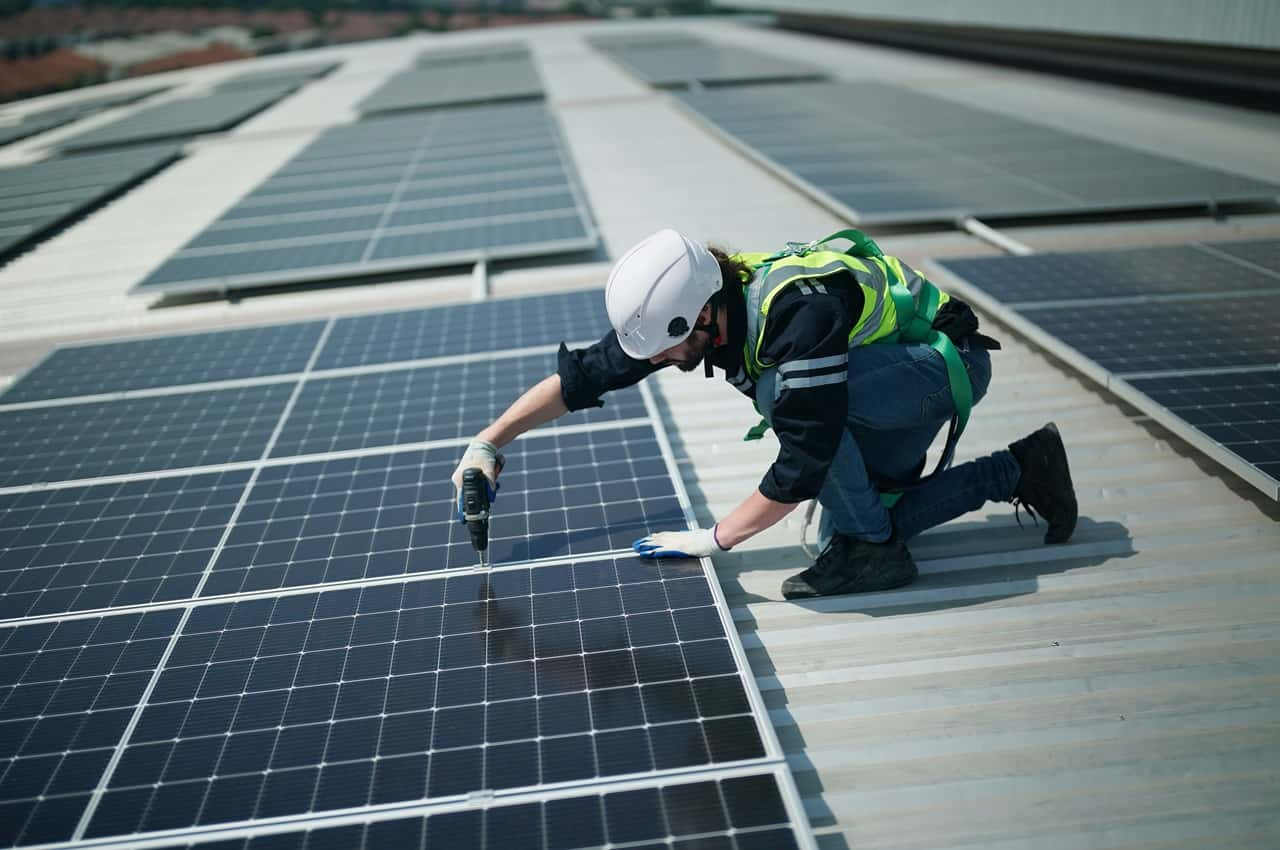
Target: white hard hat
column 656, row 291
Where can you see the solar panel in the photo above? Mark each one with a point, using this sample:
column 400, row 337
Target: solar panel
column 437, row 189
column 465, row 329
column 1188, row 333
column 430, row 690
column 85, row 548
column 37, row 198
column 1132, row 273
column 190, row 429
column 741, row 812
column 682, row 61
column 898, row 156
column 294, row 75
column 399, row 406
column 451, row 77
column 1239, row 411
column 168, row 361
column 47, row 119
column 393, row 514
column 174, row 119
column 67, row 692
column 563, row 694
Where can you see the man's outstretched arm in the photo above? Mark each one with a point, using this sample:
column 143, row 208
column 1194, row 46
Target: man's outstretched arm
column 540, row 404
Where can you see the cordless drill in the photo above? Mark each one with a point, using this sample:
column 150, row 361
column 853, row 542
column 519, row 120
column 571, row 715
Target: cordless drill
column 477, row 495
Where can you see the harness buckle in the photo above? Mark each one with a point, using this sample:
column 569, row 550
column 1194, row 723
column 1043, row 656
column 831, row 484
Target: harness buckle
column 799, row 249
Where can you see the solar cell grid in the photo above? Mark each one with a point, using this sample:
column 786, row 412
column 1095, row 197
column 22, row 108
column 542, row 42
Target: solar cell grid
column 423, row 404
column 295, row 75
column 169, row 361
column 1168, row 335
column 40, row 197
column 67, row 692
column 998, row 165
column 734, row 813
column 518, row 678
column 444, row 78
column 75, row 441
column 1260, row 252
column 219, row 110
column 83, row 548
column 1171, row 270
column 1238, row 410
column 323, row 214
column 393, row 514
column 464, row 329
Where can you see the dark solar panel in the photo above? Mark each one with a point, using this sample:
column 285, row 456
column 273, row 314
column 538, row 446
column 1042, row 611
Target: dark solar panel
column 428, row 403
column 35, row 199
column 83, row 548
column 394, row 514
column 75, row 441
column 1161, row 318
column 465, row 329
column 294, row 75
column 1166, row 335
column 414, row 191
column 220, row 110
column 734, row 813
column 451, row 77
column 896, row 155
column 67, row 692
column 684, row 61
column 1154, row 272
column 1237, row 410
column 169, row 361
column 47, row 119
column 430, row 689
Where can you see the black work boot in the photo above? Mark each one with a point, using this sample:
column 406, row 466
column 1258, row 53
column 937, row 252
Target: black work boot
column 848, row 565
column 1045, row 486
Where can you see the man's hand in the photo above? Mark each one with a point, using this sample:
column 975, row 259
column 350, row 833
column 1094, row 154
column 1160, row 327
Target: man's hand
column 483, row 455
column 679, row 544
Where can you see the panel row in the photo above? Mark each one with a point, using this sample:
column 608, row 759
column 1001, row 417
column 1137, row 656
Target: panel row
column 86, row 548
column 891, row 155
column 458, row 329
column 418, row 690
column 1188, row 332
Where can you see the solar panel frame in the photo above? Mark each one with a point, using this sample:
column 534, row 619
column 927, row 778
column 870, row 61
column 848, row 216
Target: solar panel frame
column 532, row 227
column 182, row 360
column 794, row 110
column 33, row 219
column 726, row 718
column 503, row 73
column 174, row 119
column 662, row 617
column 752, row 813
column 1129, row 386
column 111, row 545
column 67, row 691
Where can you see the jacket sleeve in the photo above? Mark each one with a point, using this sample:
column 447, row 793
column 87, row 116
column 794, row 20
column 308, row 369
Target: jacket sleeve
column 808, row 339
column 588, row 373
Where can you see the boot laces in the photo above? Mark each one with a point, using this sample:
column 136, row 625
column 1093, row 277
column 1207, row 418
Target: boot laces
column 1018, row 505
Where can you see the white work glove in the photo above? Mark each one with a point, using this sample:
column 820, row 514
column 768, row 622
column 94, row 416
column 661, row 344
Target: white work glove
column 679, row 544
column 481, row 454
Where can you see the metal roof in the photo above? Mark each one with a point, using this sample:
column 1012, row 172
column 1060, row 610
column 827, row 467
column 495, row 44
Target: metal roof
column 1118, row 691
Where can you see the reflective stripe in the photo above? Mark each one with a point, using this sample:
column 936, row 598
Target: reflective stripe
column 817, row 287
column 814, row 380
column 810, row 365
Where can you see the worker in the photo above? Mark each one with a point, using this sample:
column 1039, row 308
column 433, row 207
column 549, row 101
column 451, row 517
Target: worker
column 816, row 338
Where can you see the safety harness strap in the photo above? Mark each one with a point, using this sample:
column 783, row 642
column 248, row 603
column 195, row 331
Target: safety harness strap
column 915, row 325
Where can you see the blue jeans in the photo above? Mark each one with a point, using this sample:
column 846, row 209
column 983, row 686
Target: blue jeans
column 899, row 399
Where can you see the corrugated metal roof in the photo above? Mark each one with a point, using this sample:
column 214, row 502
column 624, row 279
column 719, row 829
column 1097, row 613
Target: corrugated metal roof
column 1118, row 691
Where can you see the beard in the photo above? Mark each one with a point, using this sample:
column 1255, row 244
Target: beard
column 702, row 345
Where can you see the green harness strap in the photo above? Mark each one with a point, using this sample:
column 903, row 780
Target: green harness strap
column 915, row 325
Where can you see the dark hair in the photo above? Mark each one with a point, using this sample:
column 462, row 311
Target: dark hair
column 732, row 270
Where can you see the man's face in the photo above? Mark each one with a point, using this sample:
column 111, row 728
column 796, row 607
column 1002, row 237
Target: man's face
column 687, row 355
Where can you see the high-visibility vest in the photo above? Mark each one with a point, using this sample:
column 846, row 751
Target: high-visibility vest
column 898, row 306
